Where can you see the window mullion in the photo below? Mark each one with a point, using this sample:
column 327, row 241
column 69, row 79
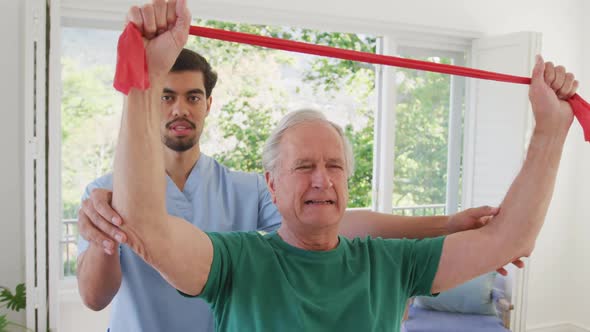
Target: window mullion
column 385, row 126
column 454, row 140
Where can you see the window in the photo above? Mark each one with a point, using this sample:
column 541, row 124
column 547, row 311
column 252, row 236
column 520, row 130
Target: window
column 90, row 115
column 256, row 87
column 422, row 154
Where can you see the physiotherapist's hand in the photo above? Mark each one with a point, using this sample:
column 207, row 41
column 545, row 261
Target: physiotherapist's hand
column 518, row 263
column 472, row 218
column 475, row 218
column 98, row 222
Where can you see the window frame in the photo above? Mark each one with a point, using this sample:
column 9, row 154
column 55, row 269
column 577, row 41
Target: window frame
column 109, row 15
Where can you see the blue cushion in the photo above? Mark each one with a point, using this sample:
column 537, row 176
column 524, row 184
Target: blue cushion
column 472, row 297
column 422, row 320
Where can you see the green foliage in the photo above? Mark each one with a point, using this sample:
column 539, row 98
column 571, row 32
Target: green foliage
column 70, row 267
column 219, row 52
column 3, row 323
column 250, row 128
column 422, row 115
column 86, row 93
column 13, row 301
column 16, row 301
column 248, row 124
column 360, row 183
column 328, row 73
column 89, row 128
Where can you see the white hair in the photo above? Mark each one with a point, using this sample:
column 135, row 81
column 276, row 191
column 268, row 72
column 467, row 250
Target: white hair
column 270, row 153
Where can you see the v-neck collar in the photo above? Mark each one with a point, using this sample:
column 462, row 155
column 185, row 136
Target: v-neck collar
column 194, row 180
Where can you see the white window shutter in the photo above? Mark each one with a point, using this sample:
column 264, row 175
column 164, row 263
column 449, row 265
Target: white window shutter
column 497, row 127
column 497, row 119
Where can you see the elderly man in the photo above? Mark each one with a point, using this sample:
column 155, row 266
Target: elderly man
column 305, row 277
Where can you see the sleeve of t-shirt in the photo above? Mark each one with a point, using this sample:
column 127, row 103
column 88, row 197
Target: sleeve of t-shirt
column 269, row 218
column 104, row 182
column 227, row 248
column 420, row 264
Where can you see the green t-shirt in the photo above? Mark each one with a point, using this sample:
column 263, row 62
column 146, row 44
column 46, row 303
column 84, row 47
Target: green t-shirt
column 261, row 283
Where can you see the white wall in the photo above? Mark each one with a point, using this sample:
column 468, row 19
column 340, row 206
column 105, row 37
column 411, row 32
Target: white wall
column 12, row 263
column 581, row 270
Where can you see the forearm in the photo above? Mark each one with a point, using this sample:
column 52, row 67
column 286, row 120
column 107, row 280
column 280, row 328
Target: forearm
column 363, row 223
column 138, row 179
column 513, row 231
column 178, row 250
column 99, row 277
column 524, row 207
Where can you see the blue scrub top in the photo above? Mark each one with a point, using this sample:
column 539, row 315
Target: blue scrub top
column 214, row 199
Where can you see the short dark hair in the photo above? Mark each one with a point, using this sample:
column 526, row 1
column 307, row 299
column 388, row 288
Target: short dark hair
column 192, row 61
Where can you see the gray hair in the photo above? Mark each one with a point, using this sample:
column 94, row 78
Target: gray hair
column 270, row 152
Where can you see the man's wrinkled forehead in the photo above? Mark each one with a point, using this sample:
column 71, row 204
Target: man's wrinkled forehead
column 300, row 149
column 297, row 162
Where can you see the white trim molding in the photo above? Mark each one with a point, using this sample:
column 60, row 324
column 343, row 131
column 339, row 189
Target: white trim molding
column 35, row 112
column 109, row 14
column 54, row 194
column 558, row 327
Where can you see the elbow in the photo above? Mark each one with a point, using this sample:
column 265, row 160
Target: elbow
column 146, row 235
column 97, row 295
column 95, row 288
column 142, row 218
column 527, row 249
column 92, row 301
column 93, row 304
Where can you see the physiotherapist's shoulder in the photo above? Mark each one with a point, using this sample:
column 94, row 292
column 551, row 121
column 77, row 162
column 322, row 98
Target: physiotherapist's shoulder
column 237, row 178
column 103, row 182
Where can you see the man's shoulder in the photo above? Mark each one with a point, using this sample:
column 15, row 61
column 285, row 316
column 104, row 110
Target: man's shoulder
column 103, row 182
column 254, row 236
column 235, row 176
column 400, row 245
column 240, row 241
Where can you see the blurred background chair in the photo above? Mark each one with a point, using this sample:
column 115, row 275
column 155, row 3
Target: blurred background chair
column 479, row 305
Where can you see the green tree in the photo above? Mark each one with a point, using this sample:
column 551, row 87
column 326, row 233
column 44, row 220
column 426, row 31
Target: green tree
column 89, row 128
column 248, row 125
column 422, row 113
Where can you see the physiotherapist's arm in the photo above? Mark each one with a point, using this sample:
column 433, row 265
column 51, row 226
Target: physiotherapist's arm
column 514, row 230
column 98, row 266
column 178, row 250
column 99, row 277
column 362, row 223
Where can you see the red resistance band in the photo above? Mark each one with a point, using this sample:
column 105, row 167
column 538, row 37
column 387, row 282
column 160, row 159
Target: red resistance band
column 127, row 77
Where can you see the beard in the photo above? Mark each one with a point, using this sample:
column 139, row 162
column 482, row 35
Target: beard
column 179, row 144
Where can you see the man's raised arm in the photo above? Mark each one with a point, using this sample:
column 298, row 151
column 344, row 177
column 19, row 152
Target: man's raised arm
column 178, row 250
column 514, row 230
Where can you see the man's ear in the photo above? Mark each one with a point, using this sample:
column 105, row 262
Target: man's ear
column 270, row 183
column 209, row 103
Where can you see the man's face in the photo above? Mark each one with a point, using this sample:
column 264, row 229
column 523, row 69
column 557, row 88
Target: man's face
column 309, row 186
column 184, row 109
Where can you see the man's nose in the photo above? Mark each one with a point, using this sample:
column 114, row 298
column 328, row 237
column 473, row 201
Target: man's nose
column 321, row 179
column 179, row 109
